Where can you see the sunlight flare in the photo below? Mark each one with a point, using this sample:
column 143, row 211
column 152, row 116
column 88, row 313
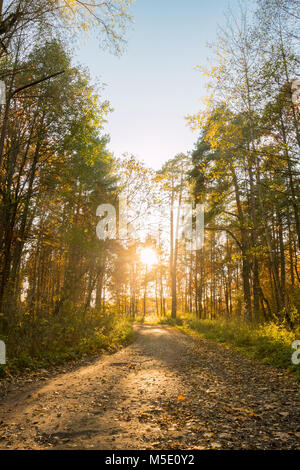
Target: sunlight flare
column 149, row 257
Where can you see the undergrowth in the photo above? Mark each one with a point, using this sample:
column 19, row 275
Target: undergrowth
column 269, row 343
column 51, row 341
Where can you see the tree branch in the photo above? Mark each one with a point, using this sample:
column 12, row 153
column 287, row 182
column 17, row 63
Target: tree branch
column 24, row 87
column 225, row 229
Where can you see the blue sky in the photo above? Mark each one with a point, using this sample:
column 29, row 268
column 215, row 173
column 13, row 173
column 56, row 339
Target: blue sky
column 154, row 85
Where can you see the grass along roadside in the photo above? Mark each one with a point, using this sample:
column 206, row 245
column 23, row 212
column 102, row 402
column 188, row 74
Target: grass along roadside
column 270, row 343
column 68, row 340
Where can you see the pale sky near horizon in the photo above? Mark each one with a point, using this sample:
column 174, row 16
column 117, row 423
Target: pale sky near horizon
column 154, row 85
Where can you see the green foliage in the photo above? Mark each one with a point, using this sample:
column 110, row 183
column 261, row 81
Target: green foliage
column 246, row 170
column 68, row 18
column 171, row 321
column 269, row 343
column 69, row 337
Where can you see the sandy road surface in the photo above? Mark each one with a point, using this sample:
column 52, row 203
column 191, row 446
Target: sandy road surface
column 165, row 391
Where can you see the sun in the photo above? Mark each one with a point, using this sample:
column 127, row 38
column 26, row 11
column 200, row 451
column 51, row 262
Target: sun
column 148, row 256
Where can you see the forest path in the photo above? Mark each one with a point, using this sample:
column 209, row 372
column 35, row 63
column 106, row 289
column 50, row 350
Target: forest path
column 165, row 391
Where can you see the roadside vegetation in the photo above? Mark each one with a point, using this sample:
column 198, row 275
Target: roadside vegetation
column 71, row 337
column 270, row 343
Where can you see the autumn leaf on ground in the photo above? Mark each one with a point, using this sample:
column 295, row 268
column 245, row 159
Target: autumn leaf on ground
column 181, row 398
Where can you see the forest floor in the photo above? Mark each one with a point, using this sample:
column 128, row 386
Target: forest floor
column 167, row 390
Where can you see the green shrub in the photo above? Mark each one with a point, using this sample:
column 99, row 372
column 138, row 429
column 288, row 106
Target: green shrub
column 54, row 340
column 171, row 321
column 269, row 343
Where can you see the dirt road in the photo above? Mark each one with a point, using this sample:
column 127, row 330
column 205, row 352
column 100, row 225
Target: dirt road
column 165, row 391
